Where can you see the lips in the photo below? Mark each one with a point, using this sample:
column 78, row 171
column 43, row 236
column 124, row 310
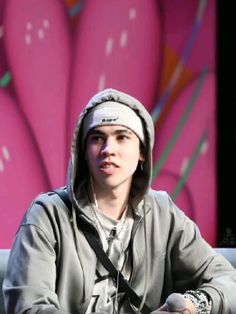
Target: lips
column 108, row 167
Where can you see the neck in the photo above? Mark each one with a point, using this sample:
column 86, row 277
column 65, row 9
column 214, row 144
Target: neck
column 112, row 204
column 112, row 208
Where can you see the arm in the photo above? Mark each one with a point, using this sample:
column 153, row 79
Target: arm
column 191, row 263
column 30, row 280
column 29, row 283
column 197, row 267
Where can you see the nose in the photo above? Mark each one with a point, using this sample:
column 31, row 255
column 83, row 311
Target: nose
column 108, row 148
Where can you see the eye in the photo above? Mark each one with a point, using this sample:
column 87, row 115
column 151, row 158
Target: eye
column 123, row 137
column 95, row 138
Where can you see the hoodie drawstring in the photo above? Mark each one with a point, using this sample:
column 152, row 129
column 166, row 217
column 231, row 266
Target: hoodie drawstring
column 78, row 249
column 146, row 274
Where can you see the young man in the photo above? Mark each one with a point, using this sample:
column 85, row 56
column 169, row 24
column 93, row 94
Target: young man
column 159, row 251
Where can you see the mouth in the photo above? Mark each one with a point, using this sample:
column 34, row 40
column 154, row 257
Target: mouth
column 108, row 165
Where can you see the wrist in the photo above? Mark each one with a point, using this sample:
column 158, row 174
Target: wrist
column 200, row 300
column 190, row 306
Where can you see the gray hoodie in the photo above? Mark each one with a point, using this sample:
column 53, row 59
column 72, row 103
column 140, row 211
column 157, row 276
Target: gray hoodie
column 51, row 268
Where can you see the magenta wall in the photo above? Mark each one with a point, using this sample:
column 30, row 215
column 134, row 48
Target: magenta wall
column 55, row 55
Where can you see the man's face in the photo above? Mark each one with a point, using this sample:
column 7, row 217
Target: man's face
column 112, row 153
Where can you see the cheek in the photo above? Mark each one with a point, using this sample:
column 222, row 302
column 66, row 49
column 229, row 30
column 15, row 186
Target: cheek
column 91, row 151
column 132, row 155
column 90, row 155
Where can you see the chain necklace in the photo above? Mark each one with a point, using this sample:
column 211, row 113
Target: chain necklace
column 114, row 233
column 115, row 250
column 120, row 259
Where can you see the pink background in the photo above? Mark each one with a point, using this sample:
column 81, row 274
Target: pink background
column 54, row 55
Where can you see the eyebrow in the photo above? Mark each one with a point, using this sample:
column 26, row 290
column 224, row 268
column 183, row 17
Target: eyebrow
column 116, row 132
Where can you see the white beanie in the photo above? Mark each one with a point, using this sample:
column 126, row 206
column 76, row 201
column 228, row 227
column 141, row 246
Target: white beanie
column 114, row 113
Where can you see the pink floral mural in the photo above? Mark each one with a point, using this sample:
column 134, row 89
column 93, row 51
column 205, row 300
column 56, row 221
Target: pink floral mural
column 54, row 55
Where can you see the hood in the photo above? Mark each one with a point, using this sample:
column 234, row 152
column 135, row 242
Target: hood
column 78, row 172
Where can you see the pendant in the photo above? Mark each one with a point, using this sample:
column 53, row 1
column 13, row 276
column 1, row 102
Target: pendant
column 111, row 236
column 110, row 239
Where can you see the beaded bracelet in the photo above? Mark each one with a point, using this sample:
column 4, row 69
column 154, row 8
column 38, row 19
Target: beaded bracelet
column 200, row 300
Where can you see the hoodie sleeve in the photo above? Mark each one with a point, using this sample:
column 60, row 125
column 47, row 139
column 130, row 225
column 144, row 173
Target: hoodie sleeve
column 196, row 264
column 30, row 279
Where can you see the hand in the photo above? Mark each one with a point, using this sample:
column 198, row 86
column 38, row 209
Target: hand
column 176, row 304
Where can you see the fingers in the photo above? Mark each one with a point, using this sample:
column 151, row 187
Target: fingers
column 175, row 304
column 185, row 311
column 164, row 312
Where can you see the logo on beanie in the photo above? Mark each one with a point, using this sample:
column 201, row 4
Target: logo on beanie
column 109, row 120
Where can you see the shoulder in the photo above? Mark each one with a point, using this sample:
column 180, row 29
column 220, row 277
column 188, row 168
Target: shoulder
column 163, row 206
column 159, row 195
column 160, row 200
column 47, row 206
column 47, row 217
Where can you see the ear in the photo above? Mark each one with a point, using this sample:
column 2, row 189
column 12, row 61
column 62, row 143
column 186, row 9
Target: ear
column 142, row 152
column 141, row 157
column 85, row 154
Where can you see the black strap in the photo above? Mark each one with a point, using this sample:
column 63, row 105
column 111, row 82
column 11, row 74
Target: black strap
column 123, row 284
